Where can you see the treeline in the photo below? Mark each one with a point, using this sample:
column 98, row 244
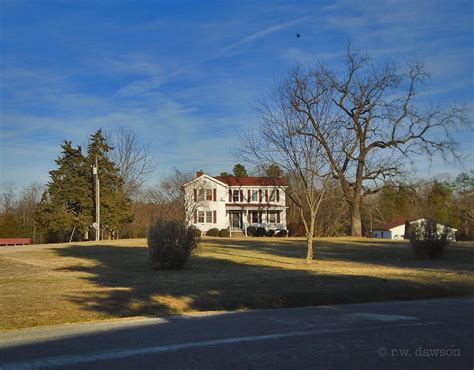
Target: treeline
column 64, row 207
column 65, row 210
column 449, row 202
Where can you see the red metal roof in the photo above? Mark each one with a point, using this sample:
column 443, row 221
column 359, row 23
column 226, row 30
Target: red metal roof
column 252, row 181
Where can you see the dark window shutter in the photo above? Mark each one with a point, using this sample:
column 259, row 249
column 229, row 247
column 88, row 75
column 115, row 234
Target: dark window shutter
column 214, row 216
column 214, row 195
column 195, row 195
column 260, row 195
column 266, row 196
column 278, row 196
column 278, row 217
column 195, row 215
column 230, row 195
column 248, row 196
column 241, row 195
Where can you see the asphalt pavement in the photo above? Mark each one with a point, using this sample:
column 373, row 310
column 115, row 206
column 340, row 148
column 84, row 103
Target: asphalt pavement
column 426, row 334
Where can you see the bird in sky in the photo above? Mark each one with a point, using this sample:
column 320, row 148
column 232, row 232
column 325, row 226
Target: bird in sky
column 298, row 35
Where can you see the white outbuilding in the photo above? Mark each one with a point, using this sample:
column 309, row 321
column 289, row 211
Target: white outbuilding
column 395, row 230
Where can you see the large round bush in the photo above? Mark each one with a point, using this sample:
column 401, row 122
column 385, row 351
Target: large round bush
column 212, row 232
column 170, row 243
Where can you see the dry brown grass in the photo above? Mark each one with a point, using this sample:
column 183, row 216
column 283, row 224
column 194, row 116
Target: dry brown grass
column 61, row 283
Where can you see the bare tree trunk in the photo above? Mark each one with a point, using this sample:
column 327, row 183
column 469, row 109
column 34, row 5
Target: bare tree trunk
column 309, row 245
column 356, row 219
column 309, row 239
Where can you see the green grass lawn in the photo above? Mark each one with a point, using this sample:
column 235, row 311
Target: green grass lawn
column 62, row 283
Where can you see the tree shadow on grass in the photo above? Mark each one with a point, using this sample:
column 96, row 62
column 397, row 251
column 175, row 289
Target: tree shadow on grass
column 456, row 258
column 122, row 284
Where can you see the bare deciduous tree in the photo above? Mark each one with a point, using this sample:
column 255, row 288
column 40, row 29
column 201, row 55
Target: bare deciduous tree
column 7, row 196
column 277, row 142
column 29, row 198
column 373, row 125
column 132, row 157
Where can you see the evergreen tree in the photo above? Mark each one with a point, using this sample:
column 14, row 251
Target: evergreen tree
column 464, row 186
column 69, row 200
column 440, row 202
column 115, row 206
column 239, row 170
column 274, row 171
column 65, row 204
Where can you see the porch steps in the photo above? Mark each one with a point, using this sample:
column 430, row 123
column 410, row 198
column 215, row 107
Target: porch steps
column 237, row 234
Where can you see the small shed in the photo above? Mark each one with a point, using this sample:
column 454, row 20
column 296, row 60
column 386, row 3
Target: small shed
column 395, row 230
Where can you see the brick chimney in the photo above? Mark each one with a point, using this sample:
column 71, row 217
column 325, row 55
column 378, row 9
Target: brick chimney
column 199, row 173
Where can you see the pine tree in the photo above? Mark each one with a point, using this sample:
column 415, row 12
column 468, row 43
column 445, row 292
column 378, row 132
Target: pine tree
column 439, row 202
column 239, row 170
column 115, row 206
column 65, row 205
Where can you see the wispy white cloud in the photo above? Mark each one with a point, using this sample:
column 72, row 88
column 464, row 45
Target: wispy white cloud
column 258, row 35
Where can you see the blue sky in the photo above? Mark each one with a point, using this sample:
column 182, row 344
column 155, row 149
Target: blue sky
column 186, row 75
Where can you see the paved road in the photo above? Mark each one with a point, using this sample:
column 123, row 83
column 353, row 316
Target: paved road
column 428, row 334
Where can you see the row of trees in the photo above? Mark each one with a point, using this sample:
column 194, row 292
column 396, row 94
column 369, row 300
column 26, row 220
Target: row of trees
column 17, row 211
column 450, row 202
column 65, row 209
column 360, row 125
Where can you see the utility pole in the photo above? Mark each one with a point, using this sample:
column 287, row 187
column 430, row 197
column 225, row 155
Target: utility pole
column 95, row 172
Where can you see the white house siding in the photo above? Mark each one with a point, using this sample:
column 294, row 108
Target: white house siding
column 440, row 229
column 398, row 232
column 224, row 204
column 382, row 234
column 218, row 205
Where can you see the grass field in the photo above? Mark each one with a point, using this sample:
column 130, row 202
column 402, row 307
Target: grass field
column 62, row 283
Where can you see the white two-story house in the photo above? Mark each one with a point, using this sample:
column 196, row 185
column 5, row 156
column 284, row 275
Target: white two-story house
column 235, row 202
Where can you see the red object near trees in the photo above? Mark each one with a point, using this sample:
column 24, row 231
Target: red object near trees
column 15, row 241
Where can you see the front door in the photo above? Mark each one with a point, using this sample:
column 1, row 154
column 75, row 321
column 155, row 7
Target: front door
column 235, row 221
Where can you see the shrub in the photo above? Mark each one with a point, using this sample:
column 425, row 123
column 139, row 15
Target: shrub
column 170, row 243
column 224, row 233
column 281, row 233
column 296, row 229
column 212, row 232
column 270, row 233
column 427, row 240
column 260, row 231
column 197, row 233
column 251, row 230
